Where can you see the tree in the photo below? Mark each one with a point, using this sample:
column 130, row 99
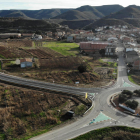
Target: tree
column 107, row 28
column 127, row 92
column 38, row 32
column 129, row 65
column 122, row 98
column 132, row 104
column 137, row 92
column 102, row 52
column 82, row 68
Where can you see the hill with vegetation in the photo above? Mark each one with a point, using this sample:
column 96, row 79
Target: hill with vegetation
column 89, row 12
column 134, row 22
column 17, row 14
column 75, row 15
column 108, row 9
column 25, row 25
column 128, row 12
column 112, row 133
column 83, row 12
column 36, row 14
column 76, row 24
column 26, row 113
column 104, row 22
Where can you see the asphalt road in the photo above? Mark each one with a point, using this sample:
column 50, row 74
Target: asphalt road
column 101, row 104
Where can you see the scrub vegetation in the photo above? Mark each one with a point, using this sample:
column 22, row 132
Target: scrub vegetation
column 112, row 133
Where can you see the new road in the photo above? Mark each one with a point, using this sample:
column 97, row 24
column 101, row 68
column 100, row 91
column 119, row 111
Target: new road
column 101, row 111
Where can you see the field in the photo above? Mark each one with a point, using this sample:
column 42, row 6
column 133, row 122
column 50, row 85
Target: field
column 39, row 53
column 25, row 112
column 43, row 52
column 12, row 52
column 20, row 43
column 69, row 62
column 112, row 133
column 134, row 77
column 65, row 49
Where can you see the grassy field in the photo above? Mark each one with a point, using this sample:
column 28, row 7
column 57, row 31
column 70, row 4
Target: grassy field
column 131, row 79
column 109, row 64
column 111, row 133
column 65, row 49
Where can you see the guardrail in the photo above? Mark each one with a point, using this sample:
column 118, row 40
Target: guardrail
column 127, row 108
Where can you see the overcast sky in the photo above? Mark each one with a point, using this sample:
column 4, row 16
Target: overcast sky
column 49, row 4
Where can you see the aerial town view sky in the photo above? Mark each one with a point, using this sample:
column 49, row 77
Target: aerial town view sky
column 48, row 4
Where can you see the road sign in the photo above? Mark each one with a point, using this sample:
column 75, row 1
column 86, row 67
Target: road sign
column 85, row 95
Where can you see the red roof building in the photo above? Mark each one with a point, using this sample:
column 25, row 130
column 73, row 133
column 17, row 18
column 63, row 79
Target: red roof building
column 91, row 47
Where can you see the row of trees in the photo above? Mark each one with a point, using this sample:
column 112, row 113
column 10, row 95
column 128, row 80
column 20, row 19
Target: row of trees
column 126, row 95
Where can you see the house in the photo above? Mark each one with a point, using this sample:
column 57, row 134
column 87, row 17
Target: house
column 92, row 47
column 110, row 50
column 112, row 39
column 131, row 56
column 126, row 39
column 49, row 33
column 71, row 37
column 26, row 62
column 17, row 61
column 37, row 37
column 136, row 64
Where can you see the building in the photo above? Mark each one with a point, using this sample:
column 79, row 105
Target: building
column 136, row 64
column 112, row 39
column 71, row 37
column 26, row 62
column 10, row 35
column 37, row 37
column 92, row 47
column 110, row 51
column 131, row 56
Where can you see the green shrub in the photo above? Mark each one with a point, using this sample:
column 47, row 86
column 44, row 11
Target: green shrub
column 122, row 98
column 132, row 104
column 127, row 92
column 82, row 68
column 137, row 92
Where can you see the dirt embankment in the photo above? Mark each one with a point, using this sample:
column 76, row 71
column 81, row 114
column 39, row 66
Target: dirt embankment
column 24, row 112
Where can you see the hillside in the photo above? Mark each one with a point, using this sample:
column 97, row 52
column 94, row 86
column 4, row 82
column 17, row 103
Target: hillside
column 128, row 12
column 26, row 113
column 108, row 9
column 104, row 22
column 89, row 12
column 24, row 22
column 76, row 24
column 17, row 14
column 81, row 13
column 36, row 14
column 76, row 15
column 25, row 25
column 134, row 22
